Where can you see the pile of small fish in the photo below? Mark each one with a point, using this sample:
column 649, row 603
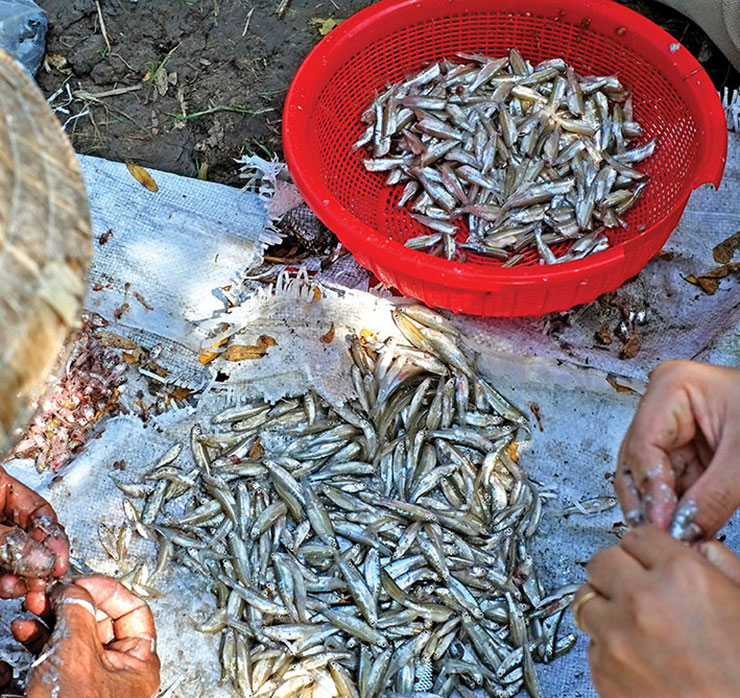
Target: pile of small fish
column 376, row 548
column 533, row 156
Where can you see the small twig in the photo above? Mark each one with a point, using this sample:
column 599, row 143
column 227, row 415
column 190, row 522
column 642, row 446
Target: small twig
column 281, row 8
column 102, row 24
column 84, row 94
column 123, row 60
column 213, row 110
column 249, row 19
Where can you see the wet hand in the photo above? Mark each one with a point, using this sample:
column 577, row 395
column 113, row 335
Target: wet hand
column 679, row 465
column 33, row 545
column 663, row 618
column 103, row 643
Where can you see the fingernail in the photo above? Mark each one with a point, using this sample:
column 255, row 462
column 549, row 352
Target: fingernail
column 692, row 533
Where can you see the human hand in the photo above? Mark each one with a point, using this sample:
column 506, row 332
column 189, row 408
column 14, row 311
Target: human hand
column 679, row 465
column 33, row 545
column 664, row 620
column 103, row 643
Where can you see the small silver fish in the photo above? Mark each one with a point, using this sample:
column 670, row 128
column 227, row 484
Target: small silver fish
column 589, row 507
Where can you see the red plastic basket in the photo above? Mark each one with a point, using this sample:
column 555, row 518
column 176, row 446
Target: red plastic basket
column 674, row 99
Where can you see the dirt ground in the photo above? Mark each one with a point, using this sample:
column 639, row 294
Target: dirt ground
column 198, row 82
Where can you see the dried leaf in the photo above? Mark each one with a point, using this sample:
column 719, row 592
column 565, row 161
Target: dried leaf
column 316, row 293
column 180, row 394
column 142, row 176
column 512, row 450
column 716, row 273
column 207, row 357
column 105, row 237
column 142, row 300
column 725, row 251
column 257, row 450
column 161, row 82
column 631, row 347
column 324, row 26
column 264, row 341
column 56, row 60
column 665, row 256
column 723, row 271
column 129, row 358
column 116, row 341
column 708, row 284
column 611, row 380
column 328, row 338
column 603, row 335
column 240, row 352
column 154, row 367
column 118, row 312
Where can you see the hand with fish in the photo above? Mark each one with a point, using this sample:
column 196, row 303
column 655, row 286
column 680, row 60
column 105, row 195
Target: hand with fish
column 33, row 545
column 663, row 618
column 102, row 643
column 662, row 614
column 678, row 467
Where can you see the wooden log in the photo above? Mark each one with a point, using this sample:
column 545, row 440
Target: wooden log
column 45, row 245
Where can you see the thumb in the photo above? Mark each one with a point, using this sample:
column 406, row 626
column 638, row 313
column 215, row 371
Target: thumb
column 722, row 558
column 709, row 502
column 75, row 615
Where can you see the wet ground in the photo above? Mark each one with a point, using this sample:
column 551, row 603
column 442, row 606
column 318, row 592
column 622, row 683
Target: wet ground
column 188, row 85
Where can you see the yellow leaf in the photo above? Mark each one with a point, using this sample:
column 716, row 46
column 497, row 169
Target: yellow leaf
column 611, row 380
column 206, row 358
column 329, row 336
column 512, row 450
column 142, row 176
column 264, row 341
column 324, row 26
column 240, row 352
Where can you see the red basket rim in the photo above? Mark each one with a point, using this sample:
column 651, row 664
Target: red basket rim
column 311, row 77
